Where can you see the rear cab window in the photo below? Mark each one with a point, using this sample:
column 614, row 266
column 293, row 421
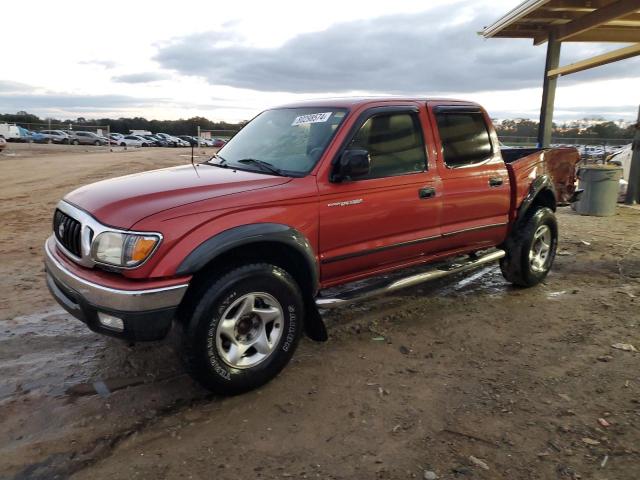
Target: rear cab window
column 464, row 135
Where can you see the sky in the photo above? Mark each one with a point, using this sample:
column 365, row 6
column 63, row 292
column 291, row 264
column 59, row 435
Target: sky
column 196, row 58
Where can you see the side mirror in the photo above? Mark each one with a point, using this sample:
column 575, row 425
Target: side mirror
column 351, row 165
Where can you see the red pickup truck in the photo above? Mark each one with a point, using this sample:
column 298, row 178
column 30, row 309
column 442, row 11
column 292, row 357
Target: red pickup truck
column 289, row 217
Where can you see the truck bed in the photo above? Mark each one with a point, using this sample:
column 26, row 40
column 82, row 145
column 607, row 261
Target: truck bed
column 558, row 163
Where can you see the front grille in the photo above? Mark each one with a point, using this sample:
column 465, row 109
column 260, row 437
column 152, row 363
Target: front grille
column 67, row 231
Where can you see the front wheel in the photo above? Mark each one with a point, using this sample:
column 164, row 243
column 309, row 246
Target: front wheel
column 244, row 328
column 531, row 249
column 76, row 142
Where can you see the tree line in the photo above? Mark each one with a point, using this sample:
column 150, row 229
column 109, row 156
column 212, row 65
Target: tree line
column 529, row 128
column 189, row 126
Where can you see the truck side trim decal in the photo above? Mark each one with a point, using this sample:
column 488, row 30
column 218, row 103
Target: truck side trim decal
column 362, row 253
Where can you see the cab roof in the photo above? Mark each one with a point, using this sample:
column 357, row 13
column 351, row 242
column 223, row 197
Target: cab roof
column 352, row 102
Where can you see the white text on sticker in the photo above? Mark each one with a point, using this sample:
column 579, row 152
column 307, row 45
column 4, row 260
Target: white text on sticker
column 311, row 118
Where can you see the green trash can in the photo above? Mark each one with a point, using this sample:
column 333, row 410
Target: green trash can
column 601, row 184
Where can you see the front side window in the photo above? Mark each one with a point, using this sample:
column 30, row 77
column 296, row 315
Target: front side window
column 465, row 138
column 395, row 145
column 291, row 140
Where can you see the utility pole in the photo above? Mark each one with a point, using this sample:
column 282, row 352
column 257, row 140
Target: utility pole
column 545, row 128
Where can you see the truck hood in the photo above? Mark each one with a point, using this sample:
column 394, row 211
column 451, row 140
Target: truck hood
column 123, row 201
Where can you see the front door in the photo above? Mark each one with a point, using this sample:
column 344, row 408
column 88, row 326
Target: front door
column 390, row 216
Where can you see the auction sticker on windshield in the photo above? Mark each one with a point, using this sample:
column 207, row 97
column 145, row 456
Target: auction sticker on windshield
column 311, row 118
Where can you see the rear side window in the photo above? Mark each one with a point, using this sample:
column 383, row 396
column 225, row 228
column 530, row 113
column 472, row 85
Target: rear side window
column 395, row 144
column 465, row 138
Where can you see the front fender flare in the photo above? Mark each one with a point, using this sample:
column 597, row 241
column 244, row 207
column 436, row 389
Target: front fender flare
column 263, row 232
column 245, row 235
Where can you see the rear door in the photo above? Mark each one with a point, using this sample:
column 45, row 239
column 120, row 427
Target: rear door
column 475, row 180
column 391, row 217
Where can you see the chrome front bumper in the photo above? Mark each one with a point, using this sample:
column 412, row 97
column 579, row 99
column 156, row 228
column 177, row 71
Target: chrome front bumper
column 112, row 299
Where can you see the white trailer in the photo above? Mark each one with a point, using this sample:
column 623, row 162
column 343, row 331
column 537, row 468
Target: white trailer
column 10, row 131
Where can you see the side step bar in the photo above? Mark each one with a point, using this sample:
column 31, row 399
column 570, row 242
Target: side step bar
column 396, row 284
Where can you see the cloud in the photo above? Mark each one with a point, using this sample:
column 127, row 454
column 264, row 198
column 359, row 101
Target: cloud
column 69, row 105
column 108, row 64
column 7, row 86
column 143, row 77
column 72, row 102
column 437, row 51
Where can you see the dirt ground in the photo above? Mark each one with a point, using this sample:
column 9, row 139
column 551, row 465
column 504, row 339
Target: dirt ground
column 466, row 378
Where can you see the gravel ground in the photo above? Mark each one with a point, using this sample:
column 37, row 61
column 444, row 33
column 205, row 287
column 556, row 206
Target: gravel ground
column 465, row 378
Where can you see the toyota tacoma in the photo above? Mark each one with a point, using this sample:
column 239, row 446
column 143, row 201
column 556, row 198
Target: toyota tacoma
column 245, row 250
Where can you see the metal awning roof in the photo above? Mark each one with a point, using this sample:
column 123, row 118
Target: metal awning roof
column 570, row 21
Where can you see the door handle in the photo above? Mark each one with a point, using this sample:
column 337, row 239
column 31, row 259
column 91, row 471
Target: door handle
column 427, row 192
column 495, row 181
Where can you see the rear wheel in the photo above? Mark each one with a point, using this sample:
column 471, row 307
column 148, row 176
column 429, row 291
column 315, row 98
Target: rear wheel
column 97, row 143
column 244, row 328
column 531, row 249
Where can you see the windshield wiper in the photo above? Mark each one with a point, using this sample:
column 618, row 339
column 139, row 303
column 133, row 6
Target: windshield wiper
column 266, row 166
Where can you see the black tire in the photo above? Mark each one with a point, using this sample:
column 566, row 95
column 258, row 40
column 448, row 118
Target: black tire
column 76, row 142
column 202, row 354
column 517, row 266
column 123, row 144
column 97, row 143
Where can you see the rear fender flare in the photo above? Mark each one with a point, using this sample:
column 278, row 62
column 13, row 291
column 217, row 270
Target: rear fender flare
column 541, row 184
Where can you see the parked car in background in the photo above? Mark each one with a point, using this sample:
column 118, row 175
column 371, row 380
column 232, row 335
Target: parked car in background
column 129, row 141
column 26, row 135
column 190, row 140
column 218, row 142
column 156, row 141
column 171, row 141
column 55, row 136
column 86, row 138
column 3, row 143
column 37, row 137
column 144, row 141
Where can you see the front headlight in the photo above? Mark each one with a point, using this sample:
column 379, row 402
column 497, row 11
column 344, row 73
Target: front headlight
column 123, row 249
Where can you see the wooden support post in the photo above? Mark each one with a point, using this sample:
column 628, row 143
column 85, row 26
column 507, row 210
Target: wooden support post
column 633, row 190
column 548, row 92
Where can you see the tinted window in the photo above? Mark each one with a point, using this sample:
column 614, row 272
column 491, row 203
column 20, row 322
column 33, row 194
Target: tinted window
column 395, row 144
column 465, row 138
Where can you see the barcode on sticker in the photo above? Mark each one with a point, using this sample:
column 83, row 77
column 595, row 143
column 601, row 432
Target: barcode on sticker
column 311, row 118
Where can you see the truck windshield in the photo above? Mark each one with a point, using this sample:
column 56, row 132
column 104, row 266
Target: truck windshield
column 291, row 140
